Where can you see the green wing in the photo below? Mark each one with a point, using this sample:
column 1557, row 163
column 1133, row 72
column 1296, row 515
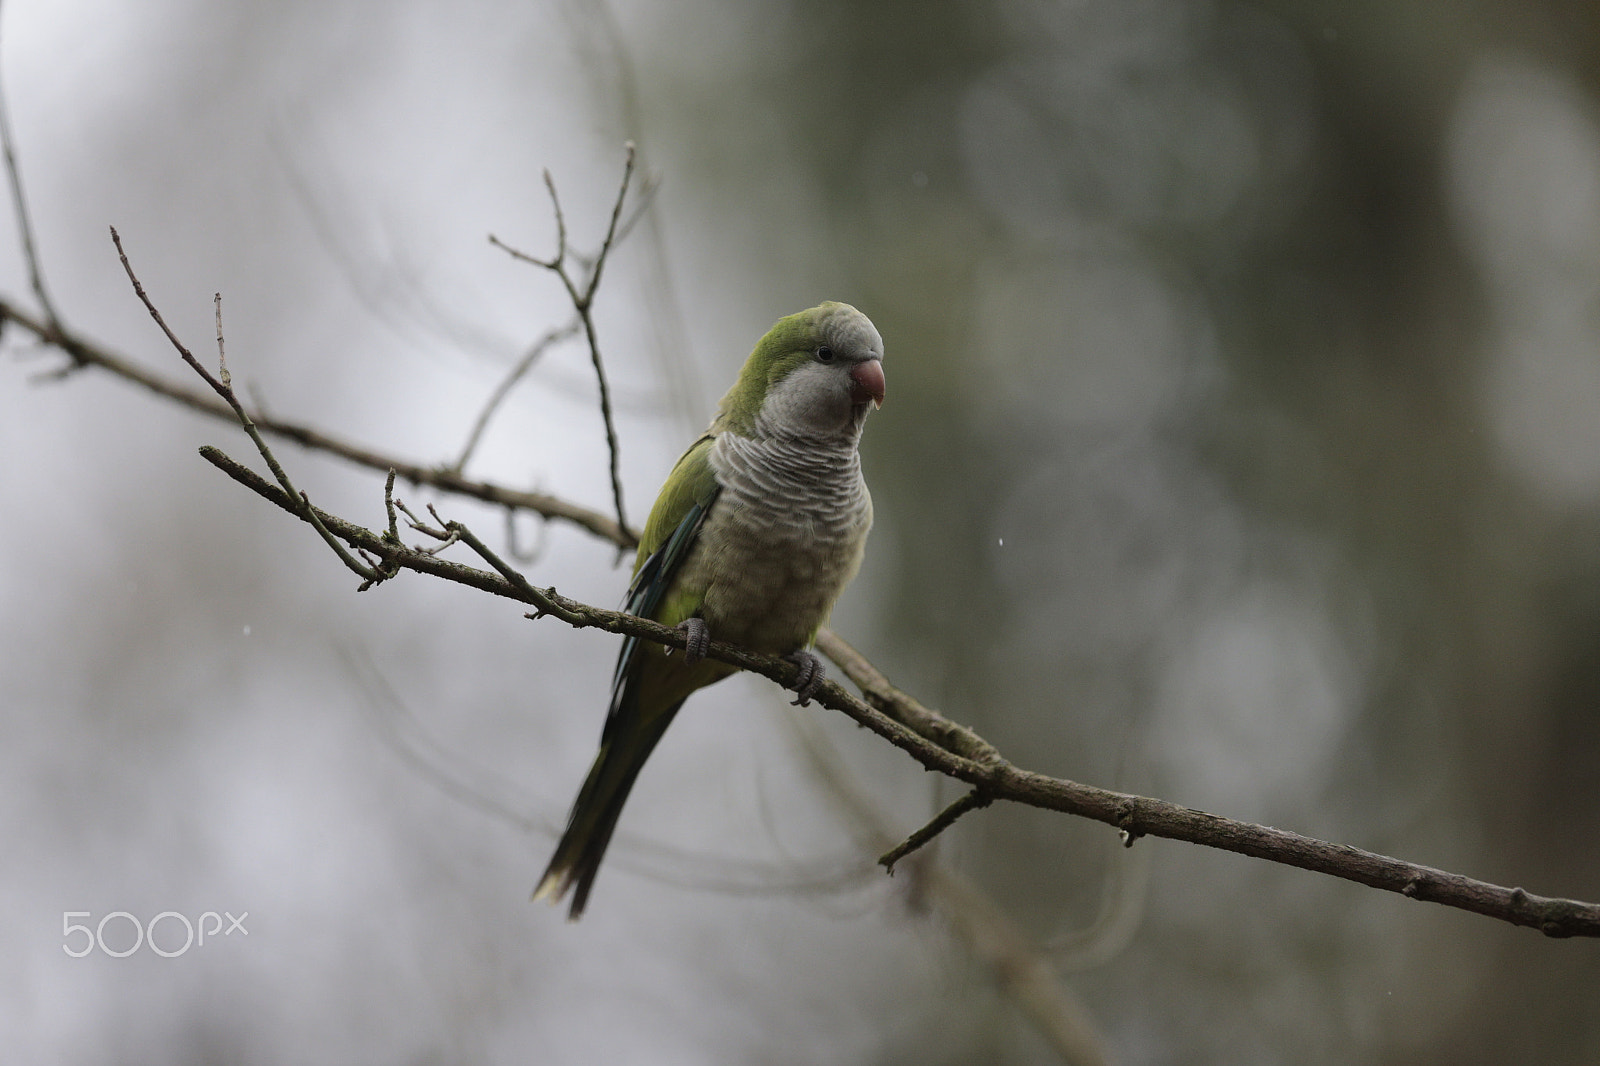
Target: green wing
column 669, row 535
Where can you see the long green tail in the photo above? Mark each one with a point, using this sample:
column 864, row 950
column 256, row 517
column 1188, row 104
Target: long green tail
column 595, row 813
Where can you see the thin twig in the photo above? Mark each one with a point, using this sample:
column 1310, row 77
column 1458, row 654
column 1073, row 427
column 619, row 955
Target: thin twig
column 993, row 938
column 523, row 257
column 502, row 390
column 643, row 200
column 561, row 222
column 222, row 351
column 943, row 820
column 611, row 229
column 389, row 507
column 612, row 446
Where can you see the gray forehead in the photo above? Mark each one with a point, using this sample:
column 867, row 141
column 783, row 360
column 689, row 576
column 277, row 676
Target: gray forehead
column 848, row 330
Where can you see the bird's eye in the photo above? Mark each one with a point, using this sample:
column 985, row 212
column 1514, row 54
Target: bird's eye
column 824, row 354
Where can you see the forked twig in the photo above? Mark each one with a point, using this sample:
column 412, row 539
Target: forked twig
column 223, row 387
column 582, row 297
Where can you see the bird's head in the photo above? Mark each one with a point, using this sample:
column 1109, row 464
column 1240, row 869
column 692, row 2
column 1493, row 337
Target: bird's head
column 815, row 374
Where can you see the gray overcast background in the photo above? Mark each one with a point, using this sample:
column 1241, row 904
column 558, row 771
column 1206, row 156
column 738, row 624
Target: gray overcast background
column 1242, row 447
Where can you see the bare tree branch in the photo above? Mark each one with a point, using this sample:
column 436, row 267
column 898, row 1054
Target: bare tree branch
column 86, row 353
column 1057, row 1014
column 902, row 707
column 1135, row 815
column 614, row 78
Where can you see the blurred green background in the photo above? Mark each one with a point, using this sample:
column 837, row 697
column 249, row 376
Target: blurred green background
column 1242, row 448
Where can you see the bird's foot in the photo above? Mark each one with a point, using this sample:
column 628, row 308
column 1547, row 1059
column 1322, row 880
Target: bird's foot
column 696, row 637
column 810, row 677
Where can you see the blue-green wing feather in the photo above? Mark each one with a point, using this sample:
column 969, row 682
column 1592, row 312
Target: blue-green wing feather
column 650, row 583
column 669, row 536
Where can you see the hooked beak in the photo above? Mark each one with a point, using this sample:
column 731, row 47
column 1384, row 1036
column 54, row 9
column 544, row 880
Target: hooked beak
column 866, row 382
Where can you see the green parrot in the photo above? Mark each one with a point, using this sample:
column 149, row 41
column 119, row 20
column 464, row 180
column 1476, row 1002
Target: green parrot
column 758, row 529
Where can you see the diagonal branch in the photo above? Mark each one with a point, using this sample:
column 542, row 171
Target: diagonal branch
column 901, row 706
column 1135, row 816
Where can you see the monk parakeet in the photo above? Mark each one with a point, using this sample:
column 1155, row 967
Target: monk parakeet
column 759, row 528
